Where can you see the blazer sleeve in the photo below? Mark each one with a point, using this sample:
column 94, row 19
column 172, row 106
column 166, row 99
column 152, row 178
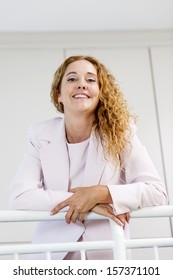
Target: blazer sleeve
column 27, row 188
column 142, row 186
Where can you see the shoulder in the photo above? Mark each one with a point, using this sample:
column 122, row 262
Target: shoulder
column 131, row 132
column 46, row 128
column 42, row 126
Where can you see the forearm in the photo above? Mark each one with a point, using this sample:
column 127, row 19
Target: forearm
column 38, row 199
column 130, row 197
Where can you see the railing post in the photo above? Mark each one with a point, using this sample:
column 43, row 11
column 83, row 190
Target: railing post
column 119, row 248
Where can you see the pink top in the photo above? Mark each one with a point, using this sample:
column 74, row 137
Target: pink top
column 77, row 160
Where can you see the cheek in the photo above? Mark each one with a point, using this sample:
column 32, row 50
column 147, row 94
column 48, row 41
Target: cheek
column 59, row 97
column 97, row 91
column 97, row 94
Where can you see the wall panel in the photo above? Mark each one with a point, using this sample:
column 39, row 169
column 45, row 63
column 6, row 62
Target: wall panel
column 162, row 61
column 26, row 76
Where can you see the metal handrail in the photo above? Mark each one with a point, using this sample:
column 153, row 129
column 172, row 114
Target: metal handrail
column 118, row 243
column 153, row 212
column 28, row 215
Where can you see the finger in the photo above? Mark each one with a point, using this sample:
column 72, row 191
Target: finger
column 123, row 220
column 118, row 221
column 69, row 215
column 115, row 218
column 128, row 217
column 61, row 205
column 74, row 216
column 81, row 217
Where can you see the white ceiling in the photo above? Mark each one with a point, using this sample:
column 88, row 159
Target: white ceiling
column 85, row 15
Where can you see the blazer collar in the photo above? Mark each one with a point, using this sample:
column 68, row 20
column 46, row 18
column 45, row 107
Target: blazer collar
column 54, row 156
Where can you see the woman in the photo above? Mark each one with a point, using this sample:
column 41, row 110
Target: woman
column 89, row 159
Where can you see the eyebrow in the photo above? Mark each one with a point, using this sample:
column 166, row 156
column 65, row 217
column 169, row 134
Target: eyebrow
column 90, row 73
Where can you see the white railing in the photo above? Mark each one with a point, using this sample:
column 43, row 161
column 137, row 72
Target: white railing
column 118, row 244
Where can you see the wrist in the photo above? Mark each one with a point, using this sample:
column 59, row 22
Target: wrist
column 104, row 195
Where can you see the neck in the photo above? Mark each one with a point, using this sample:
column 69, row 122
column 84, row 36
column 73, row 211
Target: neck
column 78, row 129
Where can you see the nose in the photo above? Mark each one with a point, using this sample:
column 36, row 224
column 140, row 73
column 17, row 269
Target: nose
column 81, row 87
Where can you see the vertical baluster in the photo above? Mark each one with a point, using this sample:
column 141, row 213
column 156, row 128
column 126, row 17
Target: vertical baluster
column 156, row 252
column 83, row 255
column 48, row 256
column 16, row 256
column 119, row 248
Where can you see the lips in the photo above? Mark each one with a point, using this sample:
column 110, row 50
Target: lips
column 80, row 95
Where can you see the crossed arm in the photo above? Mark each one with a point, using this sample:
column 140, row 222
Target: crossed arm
column 96, row 199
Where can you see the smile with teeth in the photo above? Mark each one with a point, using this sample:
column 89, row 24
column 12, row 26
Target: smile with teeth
column 80, row 95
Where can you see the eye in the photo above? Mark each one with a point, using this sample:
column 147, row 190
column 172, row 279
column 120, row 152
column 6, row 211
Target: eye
column 72, row 79
column 91, row 80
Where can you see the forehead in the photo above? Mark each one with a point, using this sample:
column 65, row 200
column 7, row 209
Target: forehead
column 81, row 66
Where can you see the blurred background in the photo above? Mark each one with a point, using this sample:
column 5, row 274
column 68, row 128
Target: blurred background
column 134, row 38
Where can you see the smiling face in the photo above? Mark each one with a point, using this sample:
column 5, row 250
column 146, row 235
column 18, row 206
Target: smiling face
column 79, row 91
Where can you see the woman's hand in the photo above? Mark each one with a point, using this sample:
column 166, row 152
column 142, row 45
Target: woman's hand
column 81, row 202
column 107, row 211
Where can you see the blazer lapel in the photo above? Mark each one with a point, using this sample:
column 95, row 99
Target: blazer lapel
column 55, row 160
column 95, row 163
column 54, row 156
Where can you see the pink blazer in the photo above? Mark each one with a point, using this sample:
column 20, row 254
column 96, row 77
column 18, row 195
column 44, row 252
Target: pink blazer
column 43, row 178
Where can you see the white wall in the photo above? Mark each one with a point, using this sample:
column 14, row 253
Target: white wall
column 142, row 63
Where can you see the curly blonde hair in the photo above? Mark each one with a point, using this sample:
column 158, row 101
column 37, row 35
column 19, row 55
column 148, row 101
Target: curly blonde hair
column 112, row 121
